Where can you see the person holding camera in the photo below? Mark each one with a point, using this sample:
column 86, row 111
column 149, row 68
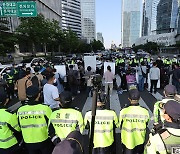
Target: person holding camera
column 65, row 120
column 166, row 139
column 105, row 123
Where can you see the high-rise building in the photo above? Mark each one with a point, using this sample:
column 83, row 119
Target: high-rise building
column 147, row 13
column 71, row 16
column 88, row 20
column 100, row 37
column 132, row 15
column 160, row 16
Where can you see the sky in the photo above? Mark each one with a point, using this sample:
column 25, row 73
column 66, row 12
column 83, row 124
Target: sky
column 108, row 21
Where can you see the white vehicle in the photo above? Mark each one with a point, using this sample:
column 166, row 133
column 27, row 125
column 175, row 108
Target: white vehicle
column 3, row 69
column 30, row 61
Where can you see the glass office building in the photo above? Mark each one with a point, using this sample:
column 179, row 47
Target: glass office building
column 160, row 16
column 132, row 12
column 71, row 16
column 88, row 20
column 167, row 13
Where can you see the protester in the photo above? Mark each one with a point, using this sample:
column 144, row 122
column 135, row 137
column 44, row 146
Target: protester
column 108, row 77
column 50, row 92
column 22, row 85
column 141, row 70
column 154, row 77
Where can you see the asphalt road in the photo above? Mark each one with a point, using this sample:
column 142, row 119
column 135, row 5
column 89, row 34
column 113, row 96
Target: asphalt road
column 84, row 103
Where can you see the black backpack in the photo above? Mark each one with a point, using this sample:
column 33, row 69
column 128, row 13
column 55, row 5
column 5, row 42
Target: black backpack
column 35, row 81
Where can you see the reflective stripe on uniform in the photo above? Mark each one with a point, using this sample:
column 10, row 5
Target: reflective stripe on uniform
column 33, row 126
column 132, row 130
column 7, row 139
column 81, row 126
column 102, row 117
column 103, row 131
column 135, row 116
column 15, row 126
column 63, row 121
column 3, row 123
column 31, row 112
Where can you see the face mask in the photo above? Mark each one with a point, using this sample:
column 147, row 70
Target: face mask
column 8, row 71
column 55, row 80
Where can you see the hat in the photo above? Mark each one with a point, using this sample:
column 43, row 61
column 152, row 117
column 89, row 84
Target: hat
column 134, row 94
column 65, row 98
column 170, row 90
column 172, row 108
column 32, row 91
column 72, row 144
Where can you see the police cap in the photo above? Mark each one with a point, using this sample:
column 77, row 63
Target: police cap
column 172, row 108
column 134, row 94
column 170, row 90
column 32, row 91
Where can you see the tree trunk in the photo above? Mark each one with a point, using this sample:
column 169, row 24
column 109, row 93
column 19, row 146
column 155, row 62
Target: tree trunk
column 33, row 48
column 45, row 49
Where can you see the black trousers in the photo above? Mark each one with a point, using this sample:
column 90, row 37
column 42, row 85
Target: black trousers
column 106, row 150
column 12, row 150
column 137, row 150
column 153, row 85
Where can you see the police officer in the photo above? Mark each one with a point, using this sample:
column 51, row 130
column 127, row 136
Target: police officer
column 133, row 122
column 9, row 129
column 65, row 120
column 105, row 123
column 33, row 119
column 10, row 83
column 169, row 93
column 166, row 139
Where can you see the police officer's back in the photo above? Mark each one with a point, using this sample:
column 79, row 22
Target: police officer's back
column 105, row 123
column 33, row 119
column 166, row 139
column 64, row 120
column 133, row 122
column 9, row 128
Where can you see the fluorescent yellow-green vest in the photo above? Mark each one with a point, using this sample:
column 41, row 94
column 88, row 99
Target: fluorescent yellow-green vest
column 9, row 79
column 103, row 133
column 133, row 122
column 161, row 145
column 66, row 121
column 7, row 138
column 33, row 123
column 158, row 112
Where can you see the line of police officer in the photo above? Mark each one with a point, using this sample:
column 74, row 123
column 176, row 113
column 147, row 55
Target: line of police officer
column 38, row 125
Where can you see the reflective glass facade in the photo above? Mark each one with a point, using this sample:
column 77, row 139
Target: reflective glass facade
column 71, row 15
column 131, row 21
column 160, row 16
column 88, row 20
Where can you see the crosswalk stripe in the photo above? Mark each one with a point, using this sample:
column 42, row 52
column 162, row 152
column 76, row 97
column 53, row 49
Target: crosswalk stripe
column 143, row 104
column 87, row 106
column 115, row 103
column 158, row 96
column 15, row 106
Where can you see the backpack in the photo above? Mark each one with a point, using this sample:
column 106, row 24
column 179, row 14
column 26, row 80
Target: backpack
column 35, row 81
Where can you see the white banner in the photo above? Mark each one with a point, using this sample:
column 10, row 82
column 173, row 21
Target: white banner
column 90, row 61
column 61, row 69
column 111, row 64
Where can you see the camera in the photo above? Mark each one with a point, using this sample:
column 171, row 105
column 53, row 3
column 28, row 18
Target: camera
column 96, row 80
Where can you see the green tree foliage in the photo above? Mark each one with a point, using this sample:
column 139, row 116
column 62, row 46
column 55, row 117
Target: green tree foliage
column 97, row 45
column 150, row 47
column 7, row 39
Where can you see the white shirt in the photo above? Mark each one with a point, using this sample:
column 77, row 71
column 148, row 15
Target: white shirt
column 50, row 93
column 154, row 73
